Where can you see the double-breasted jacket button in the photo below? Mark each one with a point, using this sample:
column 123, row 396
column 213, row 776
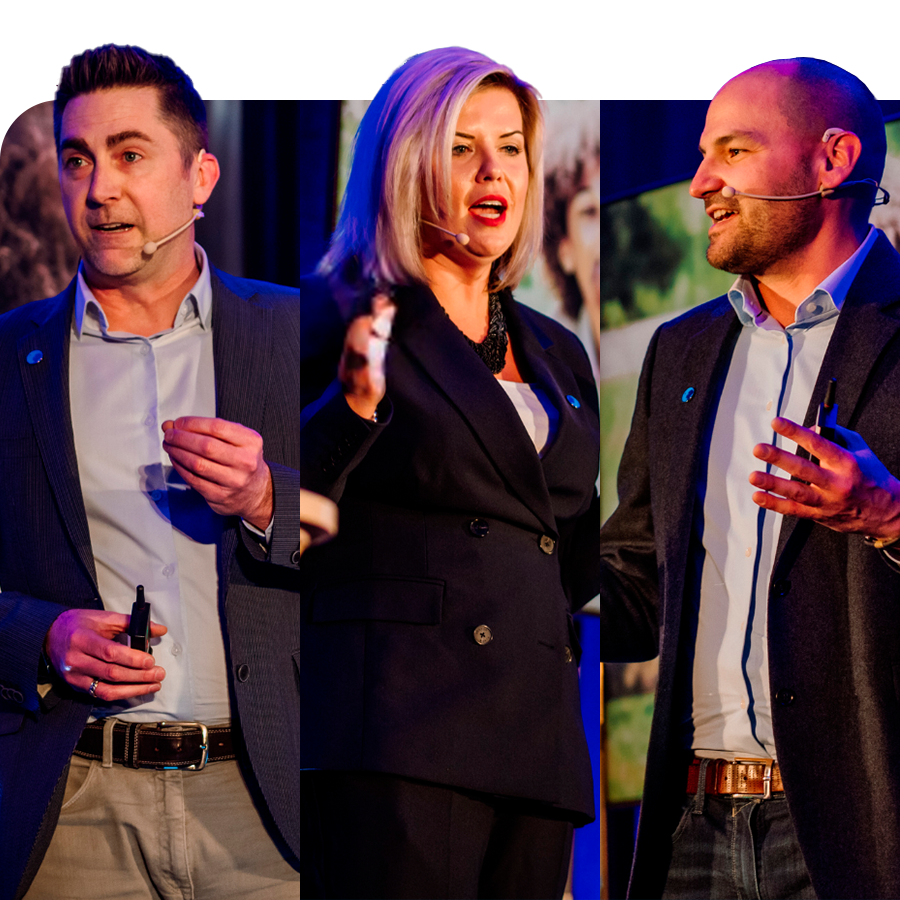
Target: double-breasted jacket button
column 243, row 672
column 567, row 653
column 784, row 697
column 547, row 544
column 479, row 527
column 483, row 635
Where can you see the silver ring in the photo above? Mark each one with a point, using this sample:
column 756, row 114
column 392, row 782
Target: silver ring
column 93, row 686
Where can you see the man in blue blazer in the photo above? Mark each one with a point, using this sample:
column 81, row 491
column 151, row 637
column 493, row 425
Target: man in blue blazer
column 204, row 514
column 773, row 767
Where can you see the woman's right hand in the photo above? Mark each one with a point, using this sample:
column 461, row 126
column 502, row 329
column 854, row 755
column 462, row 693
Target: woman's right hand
column 361, row 369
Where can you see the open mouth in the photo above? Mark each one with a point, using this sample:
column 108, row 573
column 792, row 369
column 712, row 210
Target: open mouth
column 112, row 228
column 490, row 210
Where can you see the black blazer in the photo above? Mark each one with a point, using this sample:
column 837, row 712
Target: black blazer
column 46, row 562
column 834, row 605
column 438, row 642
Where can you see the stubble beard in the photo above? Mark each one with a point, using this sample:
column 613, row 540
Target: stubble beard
column 767, row 232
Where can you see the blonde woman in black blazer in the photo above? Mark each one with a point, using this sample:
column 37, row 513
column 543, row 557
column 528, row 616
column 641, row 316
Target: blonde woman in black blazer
column 442, row 743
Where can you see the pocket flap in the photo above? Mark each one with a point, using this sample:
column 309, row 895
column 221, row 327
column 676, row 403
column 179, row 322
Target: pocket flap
column 415, row 600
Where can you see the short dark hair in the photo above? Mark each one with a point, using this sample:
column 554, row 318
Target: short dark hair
column 113, row 66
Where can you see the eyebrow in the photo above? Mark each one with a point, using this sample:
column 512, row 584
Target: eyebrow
column 729, row 138
column 79, row 144
column 471, row 137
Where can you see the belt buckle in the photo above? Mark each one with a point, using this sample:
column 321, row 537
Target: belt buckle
column 767, row 775
column 204, row 741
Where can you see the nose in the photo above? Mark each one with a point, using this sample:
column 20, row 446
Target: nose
column 105, row 184
column 490, row 167
column 705, row 180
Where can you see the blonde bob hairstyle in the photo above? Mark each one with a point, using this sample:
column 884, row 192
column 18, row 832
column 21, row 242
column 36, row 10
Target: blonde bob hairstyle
column 401, row 171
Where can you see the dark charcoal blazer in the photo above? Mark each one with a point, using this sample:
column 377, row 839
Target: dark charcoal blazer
column 449, row 522
column 46, row 562
column 834, row 605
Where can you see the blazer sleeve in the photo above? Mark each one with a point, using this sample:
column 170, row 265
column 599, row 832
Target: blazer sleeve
column 24, row 623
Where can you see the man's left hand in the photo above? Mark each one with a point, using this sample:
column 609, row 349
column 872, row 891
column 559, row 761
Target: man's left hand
column 848, row 490
column 223, row 462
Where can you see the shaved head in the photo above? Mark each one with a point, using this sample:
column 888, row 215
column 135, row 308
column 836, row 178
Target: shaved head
column 815, row 95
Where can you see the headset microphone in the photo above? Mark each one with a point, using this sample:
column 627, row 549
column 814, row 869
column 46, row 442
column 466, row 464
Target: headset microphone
column 460, row 238
column 152, row 246
column 728, row 192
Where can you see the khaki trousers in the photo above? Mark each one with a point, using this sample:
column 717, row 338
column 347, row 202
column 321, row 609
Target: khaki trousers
column 146, row 834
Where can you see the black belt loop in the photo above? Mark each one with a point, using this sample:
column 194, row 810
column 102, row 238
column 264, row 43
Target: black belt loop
column 700, row 795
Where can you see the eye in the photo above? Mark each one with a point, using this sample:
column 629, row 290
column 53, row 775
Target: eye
column 512, row 149
column 131, row 156
column 460, row 149
column 75, row 162
column 733, row 152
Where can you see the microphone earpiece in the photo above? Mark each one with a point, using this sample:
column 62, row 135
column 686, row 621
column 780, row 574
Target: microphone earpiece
column 152, row 246
column 461, row 238
column 728, row 191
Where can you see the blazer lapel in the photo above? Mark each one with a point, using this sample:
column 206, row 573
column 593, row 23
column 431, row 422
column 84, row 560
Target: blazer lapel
column 44, row 364
column 427, row 334
column 869, row 320
column 692, row 401
column 242, row 338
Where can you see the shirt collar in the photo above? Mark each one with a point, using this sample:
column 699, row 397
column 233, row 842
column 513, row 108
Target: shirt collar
column 823, row 303
column 197, row 304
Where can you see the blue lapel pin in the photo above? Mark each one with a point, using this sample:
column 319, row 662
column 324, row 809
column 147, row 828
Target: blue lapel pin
column 34, row 357
column 574, row 402
column 688, row 395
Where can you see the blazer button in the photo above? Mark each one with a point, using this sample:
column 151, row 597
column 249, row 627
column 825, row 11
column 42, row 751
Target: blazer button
column 568, row 654
column 483, row 635
column 243, row 672
column 781, row 587
column 479, row 527
column 547, row 544
column 784, row 697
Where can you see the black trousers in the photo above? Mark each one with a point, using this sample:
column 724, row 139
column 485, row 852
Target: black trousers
column 368, row 836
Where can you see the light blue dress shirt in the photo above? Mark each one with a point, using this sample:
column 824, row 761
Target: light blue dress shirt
column 147, row 527
column 772, row 373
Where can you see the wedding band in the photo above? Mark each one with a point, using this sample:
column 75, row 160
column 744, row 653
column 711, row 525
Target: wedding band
column 93, row 686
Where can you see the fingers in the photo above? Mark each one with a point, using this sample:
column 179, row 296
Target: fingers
column 80, row 646
column 362, row 367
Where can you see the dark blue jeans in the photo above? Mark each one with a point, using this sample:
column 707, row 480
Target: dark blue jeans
column 736, row 847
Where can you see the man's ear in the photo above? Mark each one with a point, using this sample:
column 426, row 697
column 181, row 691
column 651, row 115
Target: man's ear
column 841, row 156
column 205, row 178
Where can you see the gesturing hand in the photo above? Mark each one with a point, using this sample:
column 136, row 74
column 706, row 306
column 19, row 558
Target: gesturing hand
column 849, row 489
column 223, row 462
column 81, row 648
column 361, row 369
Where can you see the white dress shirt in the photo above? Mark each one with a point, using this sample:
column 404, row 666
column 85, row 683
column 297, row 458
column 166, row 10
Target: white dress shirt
column 147, row 527
column 772, row 373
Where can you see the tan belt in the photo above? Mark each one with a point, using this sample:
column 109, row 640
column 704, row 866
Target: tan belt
column 742, row 778
column 159, row 745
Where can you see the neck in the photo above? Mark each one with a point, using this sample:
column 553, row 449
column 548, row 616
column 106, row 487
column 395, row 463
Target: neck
column 463, row 293
column 787, row 283
column 141, row 305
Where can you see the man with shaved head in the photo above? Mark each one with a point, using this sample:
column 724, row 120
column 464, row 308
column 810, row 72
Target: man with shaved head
column 758, row 557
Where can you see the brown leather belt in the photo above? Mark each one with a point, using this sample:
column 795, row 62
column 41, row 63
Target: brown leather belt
column 159, row 745
column 742, row 778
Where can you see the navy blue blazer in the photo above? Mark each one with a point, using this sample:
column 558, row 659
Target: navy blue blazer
column 47, row 566
column 834, row 605
column 438, row 641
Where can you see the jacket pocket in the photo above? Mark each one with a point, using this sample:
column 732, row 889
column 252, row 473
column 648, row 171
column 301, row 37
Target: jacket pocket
column 415, row 600
column 10, row 722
